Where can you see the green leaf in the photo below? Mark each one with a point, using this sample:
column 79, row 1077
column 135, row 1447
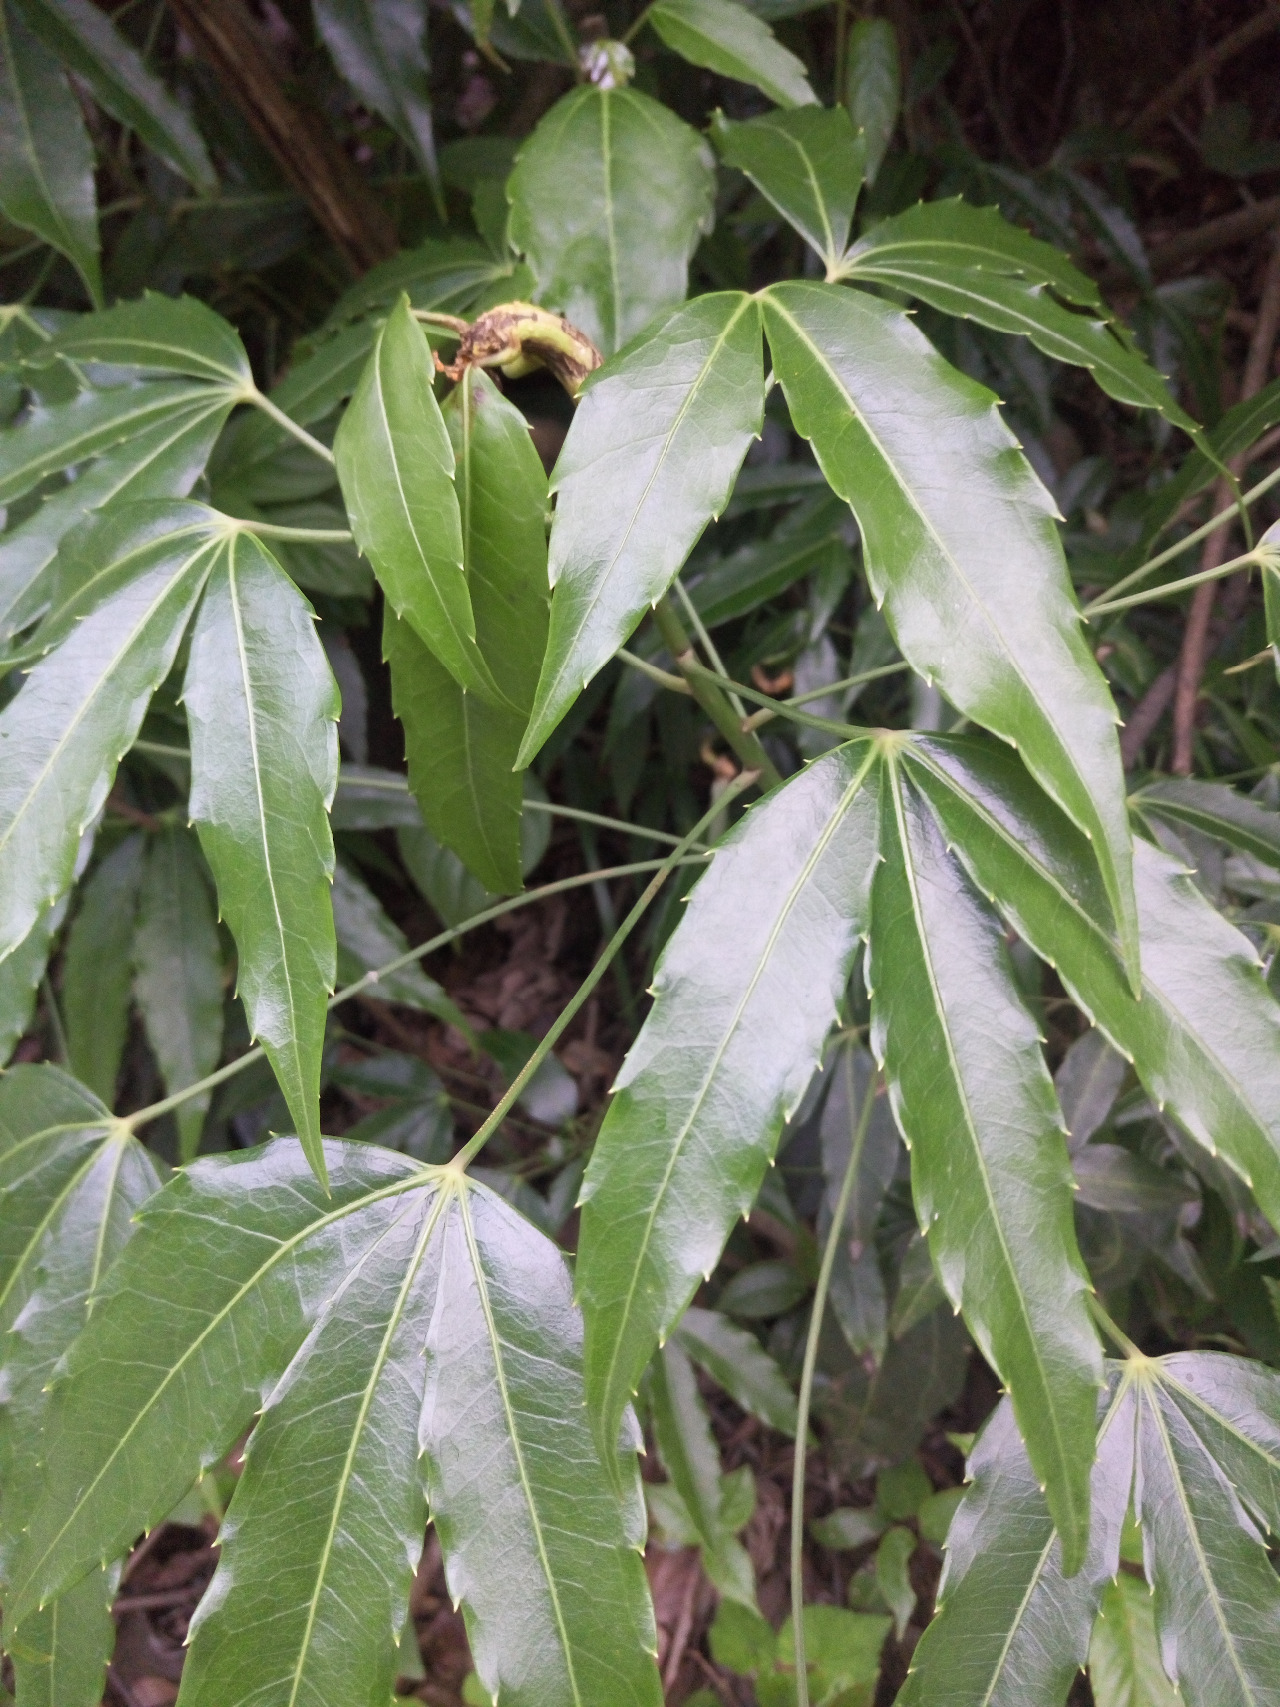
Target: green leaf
column 873, row 86
column 462, row 752
column 381, row 50
column 159, row 334
column 96, row 969
column 736, row 1361
column 85, row 40
column 857, row 1284
column 847, row 1527
column 842, row 1650
column 1215, row 810
column 372, row 799
column 60, row 1653
column 396, row 467
column 160, row 460
column 81, row 708
column 262, row 707
column 440, row 273
column 177, row 975
column 989, row 1169
column 1088, row 1083
column 812, row 540
column 969, row 262
column 745, row 993
column 20, row 975
column 46, row 158
column 961, row 548
column 893, row 1576
column 229, row 1267
column 809, row 163
column 1124, row 1657
column 367, row 939
column 1217, row 1600
column 663, row 430
column 727, row 38
column 1205, row 1035
column 1010, row 1628
column 609, row 197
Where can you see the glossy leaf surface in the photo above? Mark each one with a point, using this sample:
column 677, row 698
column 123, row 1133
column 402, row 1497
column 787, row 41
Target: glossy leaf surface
column 809, row 164
column 745, row 993
column 1215, row 810
column 1124, row 1657
column 60, row 1654
column 96, row 971
column 989, row 1168
column 663, row 430
column 381, row 50
column 960, row 547
column 608, row 199
column 728, row 38
column 396, row 466
column 736, row 1361
column 873, row 86
column 262, row 707
column 160, row 334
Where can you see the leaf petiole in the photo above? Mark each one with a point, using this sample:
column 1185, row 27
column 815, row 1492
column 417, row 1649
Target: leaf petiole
column 1104, row 606
column 260, row 400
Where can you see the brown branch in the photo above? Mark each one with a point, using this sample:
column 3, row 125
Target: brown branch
column 228, row 39
column 1195, row 639
column 1220, row 233
column 1142, row 721
column 1209, row 61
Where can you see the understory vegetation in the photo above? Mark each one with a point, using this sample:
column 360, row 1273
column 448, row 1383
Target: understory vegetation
column 639, row 853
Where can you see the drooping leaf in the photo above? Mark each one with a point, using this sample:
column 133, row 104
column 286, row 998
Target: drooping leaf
column 736, row 1361
column 809, row 163
column 177, row 975
column 1010, row 1627
column 608, row 199
column 960, row 547
column 746, row 991
column 1088, row 1083
column 20, row 975
column 88, row 43
column 1124, row 1657
column 381, row 50
column 970, row 262
column 368, row 939
column 989, row 1169
column 262, row 708
column 81, row 708
column 96, row 971
column 728, row 38
column 873, row 86
column 1216, row 810
column 537, row 1548
column 46, row 158
column 663, row 431
column 396, row 466
column 857, row 1285
column 1205, row 1035
column 60, row 1653
column 462, row 752
column 159, row 334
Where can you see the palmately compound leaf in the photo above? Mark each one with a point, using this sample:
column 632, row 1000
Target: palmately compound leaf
column 609, row 197
column 736, row 1361
column 961, row 549
column 159, row 334
column 1216, row 810
column 396, row 467
column 96, row 968
column 177, row 975
column 81, row 708
column 990, row 1173
column 661, row 432
column 245, row 1289
column 745, row 994
column 462, row 751
column 1010, row 1628
column 46, row 157
column 1205, row 1035
column 809, row 163
column 86, row 41
column 262, row 708
column 728, row 38
column 1217, row 1598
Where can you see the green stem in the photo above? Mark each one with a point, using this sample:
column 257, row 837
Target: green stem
column 554, row 810
column 1104, row 606
column 705, row 685
column 299, row 536
column 857, row 1143
column 153, row 1111
column 444, row 322
column 561, row 26
column 781, row 708
column 706, row 642
column 1211, row 526
column 697, row 672
column 637, row 26
column 55, row 1023
column 475, row 1144
column 261, row 401
column 1116, row 1335
column 664, row 678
